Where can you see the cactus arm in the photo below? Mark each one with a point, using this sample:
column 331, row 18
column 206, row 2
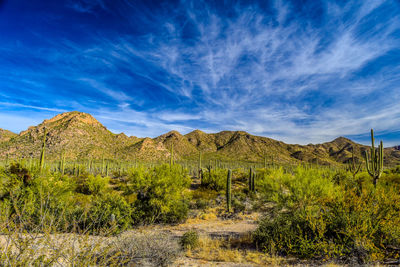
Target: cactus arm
column 373, row 145
column 367, row 163
column 380, row 158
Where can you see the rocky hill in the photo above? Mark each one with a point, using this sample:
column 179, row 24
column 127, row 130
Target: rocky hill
column 82, row 136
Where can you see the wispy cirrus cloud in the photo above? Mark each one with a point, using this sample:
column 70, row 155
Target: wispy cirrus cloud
column 86, row 6
column 298, row 72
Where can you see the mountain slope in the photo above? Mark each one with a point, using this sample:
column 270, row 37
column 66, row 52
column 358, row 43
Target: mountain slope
column 82, row 136
column 6, row 135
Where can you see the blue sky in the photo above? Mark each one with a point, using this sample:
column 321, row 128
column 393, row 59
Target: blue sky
column 297, row 71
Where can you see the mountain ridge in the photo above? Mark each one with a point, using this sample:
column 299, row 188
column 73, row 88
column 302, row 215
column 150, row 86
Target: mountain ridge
column 80, row 135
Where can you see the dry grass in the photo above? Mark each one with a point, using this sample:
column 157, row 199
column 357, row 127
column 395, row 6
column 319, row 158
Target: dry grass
column 233, row 250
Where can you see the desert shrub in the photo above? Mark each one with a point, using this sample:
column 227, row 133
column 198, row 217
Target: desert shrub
column 45, row 201
column 215, row 180
column 189, row 240
column 21, row 249
column 144, row 250
column 161, row 194
column 391, row 179
column 200, row 204
column 108, row 212
column 315, row 217
column 52, row 203
column 92, row 185
column 241, row 174
column 238, row 205
column 97, row 184
column 341, row 177
column 267, row 183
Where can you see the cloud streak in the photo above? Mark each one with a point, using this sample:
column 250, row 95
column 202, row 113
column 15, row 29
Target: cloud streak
column 298, row 72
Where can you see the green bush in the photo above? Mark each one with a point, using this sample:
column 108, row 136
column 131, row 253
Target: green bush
column 92, row 185
column 108, row 212
column 161, row 194
column 315, row 217
column 215, row 180
column 189, row 240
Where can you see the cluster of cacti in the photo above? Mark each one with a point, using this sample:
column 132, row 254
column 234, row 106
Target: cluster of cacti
column 228, row 191
column 374, row 162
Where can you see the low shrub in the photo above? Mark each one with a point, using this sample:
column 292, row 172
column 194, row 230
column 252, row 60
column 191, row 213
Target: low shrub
column 189, row 240
column 144, row 250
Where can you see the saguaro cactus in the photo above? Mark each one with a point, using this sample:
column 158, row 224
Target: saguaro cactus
column 42, row 153
column 251, row 180
column 228, row 191
column 374, row 164
column 199, row 163
column 171, row 160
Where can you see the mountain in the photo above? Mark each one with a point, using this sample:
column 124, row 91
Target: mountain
column 78, row 134
column 82, row 136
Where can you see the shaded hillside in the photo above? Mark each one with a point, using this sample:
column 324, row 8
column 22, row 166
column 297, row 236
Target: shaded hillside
column 82, row 136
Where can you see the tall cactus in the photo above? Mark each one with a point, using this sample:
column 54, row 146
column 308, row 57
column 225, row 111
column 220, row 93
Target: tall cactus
column 375, row 164
column 228, row 191
column 199, row 162
column 251, row 180
column 42, row 153
column 171, row 160
column 107, row 168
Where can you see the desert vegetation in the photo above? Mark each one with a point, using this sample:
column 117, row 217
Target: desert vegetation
column 58, row 210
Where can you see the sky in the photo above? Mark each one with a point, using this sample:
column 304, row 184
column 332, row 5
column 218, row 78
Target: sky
column 296, row 71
